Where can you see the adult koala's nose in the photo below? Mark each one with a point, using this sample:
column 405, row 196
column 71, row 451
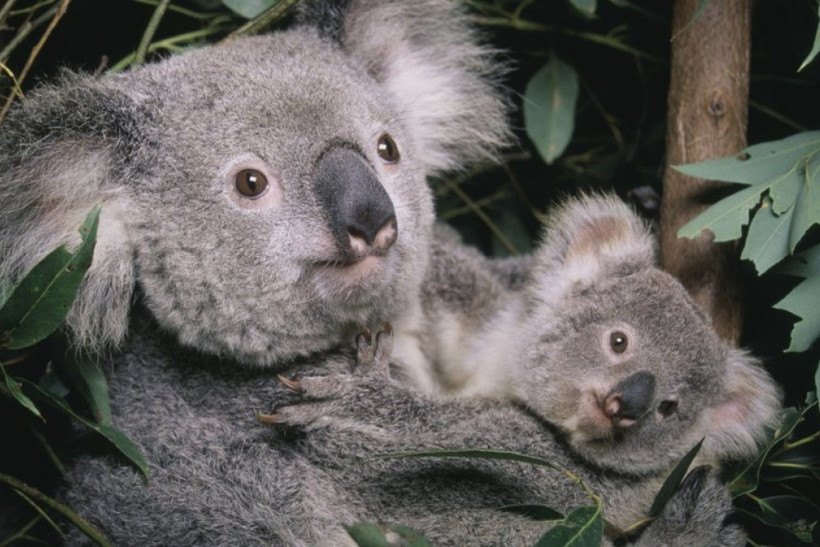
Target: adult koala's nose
column 359, row 211
column 630, row 399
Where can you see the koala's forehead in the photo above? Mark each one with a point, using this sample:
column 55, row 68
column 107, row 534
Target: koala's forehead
column 272, row 86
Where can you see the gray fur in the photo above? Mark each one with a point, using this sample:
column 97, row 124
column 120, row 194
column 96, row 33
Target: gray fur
column 545, row 344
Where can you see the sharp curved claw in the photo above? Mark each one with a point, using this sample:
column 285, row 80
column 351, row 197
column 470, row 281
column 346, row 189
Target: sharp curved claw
column 387, row 328
column 269, row 419
column 365, row 337
column 291, row 384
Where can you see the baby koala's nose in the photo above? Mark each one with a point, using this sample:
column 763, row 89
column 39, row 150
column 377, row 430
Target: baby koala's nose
column 630, row 399
column 372, row 236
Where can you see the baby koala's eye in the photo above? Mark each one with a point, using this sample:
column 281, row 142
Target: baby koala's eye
column 387, row 149
column 618, row 341
column 251, row 183
column 667, row 408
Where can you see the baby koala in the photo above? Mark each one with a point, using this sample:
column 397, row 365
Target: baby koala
column 596, row 340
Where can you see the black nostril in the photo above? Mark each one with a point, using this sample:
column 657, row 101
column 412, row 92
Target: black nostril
column 635, row 394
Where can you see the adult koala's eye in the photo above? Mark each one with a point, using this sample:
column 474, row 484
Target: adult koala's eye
column 251, row 183
column 387, row 149
column 618, row 341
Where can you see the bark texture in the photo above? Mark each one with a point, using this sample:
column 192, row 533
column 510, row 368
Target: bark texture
column 708, row 105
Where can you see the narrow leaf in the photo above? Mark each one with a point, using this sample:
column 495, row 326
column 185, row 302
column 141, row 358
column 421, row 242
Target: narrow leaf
column 767, row 242
column 815, row 49
column 759, row 163
column 673, row 481
column 549, row 108
column 42, row 299
column 583, row 527
column 533, row 511
column 804, row 302
column 117, row 438
column 6, row 288
column 83, row 525
column 805, row 264
column 15, row 391
column 248, row 8
column 725, row 218
column 88, row 379
column 585, row 7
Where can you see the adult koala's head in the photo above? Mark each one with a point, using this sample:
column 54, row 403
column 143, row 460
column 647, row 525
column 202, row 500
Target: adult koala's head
column 262, row 194
column 629, row 368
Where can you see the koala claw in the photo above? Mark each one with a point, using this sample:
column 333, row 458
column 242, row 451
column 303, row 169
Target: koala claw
column 291, row 384
column 269, row 419
column 375, row 352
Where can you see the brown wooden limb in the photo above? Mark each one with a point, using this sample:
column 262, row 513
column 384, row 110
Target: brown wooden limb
column 708, row 104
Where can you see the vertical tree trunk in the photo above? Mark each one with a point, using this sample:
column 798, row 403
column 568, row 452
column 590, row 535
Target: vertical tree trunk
column 708, row 102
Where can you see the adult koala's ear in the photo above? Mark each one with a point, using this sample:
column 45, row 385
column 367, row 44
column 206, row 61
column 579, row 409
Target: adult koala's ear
column 433, row 65
column 747, row 412
column 587, row 239
column 60, row 153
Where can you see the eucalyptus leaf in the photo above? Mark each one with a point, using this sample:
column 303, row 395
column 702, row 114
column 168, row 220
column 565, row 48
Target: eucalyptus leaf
column 673, row 481
column 804, row 302
column 85, row 374
column 782, row 509
column 583, row 527
column 533, row 511
column 757, row 164
column 370, row 535
column 249, row 8
column 39, row 303
column 767, row 242
column 775, row 534
column 549, row 108
column 117, row 438
column 726, row 218
column 815, row 49
column 747, row 478
column 585, row 7
column 805, row 264
column 14, row 390
column 807, row 206
column 6, row 288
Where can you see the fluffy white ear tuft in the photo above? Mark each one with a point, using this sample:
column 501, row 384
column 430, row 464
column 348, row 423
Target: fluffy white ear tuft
column 59, row 150
column 749, row 409
column 444, row 81
column 587, row 239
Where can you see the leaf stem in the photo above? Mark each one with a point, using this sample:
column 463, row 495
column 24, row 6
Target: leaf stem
column 150, row 30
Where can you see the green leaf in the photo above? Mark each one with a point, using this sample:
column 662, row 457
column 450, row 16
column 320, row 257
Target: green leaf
column 725, row 218
column 6, row 288
column 583, row 527
column 42, row 299
column 747, row 478
column 82, row 525
column 805, row 264
column 757, row 164
column 815, row 49
column 549, row 108
column 370, row 535
column 782, row 509
column 804, row 302
column 673, row 481
column 15, row 391
column 117, row 438
column 585, row 7
column 774, row 534
column 807, row 206
column 533, row 511
column 249, row 8
column 767, row 242
column 85, row 374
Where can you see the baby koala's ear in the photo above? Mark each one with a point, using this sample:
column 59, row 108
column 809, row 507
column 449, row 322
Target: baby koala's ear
column 591, row 238
column 747, row 411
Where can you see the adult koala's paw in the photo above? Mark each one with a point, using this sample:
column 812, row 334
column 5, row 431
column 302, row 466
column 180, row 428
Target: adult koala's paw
column 696, row 515
column 347, row 400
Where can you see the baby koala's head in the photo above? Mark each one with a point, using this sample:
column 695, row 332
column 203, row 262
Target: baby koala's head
column 622, row 361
